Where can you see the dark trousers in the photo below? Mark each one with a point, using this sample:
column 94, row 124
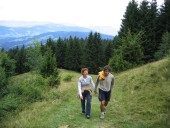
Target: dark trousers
column 86, row 97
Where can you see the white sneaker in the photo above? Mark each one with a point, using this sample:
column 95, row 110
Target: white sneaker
column 104, row 110
column 102, row 116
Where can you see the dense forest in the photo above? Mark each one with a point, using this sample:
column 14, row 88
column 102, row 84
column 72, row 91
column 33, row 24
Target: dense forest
column 144, row 37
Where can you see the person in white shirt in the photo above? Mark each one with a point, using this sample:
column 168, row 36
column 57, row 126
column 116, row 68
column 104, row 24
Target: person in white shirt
column 105, row 81
column 85, row 91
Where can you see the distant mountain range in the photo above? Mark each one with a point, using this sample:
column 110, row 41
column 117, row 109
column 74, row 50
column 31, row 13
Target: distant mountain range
column 14, row 34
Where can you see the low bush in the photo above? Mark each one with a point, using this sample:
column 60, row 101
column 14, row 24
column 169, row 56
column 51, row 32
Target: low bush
column 30, row 88
column 22, row 90
column 3, row 83
column 54, row 80
column 8, row 104
column 68, row 78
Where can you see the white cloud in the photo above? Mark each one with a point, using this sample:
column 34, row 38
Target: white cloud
column 78, row 12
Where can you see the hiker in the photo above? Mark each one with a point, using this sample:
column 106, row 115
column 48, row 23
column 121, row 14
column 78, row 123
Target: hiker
column 105, row 80
column 85, row 91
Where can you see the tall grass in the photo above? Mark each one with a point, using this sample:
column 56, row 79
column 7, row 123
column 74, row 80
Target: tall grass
column 140, row 99
column 23, row 90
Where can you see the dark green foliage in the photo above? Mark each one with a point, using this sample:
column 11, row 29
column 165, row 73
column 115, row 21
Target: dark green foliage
column 131, row 19
column 49, row 64
column 13, row 53
column 20, row 61
column 108, row 52
column 164, row 46
column 3, row 82
column 54, row 80
column 72, row 54
column 94, row 56
column 148, row 24
column 49, row 68
column 88, row 52
column 22, row 90
column 51, row 43
column 164, row 17
column 61, row 49
column 7, row 64
column 69, row 54
column 145, row 18
column 130, row 53
column 43, row 49
column 8, row 104
column 7, row 67
column 34, row 58
column 77, row 55
column 73, row 59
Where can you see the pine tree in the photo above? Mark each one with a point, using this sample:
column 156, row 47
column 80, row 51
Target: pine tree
column 7, row 64
column 131, row 48
column 49, row 64
column 43, row 49
column 89, row 55
column 49, row 68
column 3, row 82
column 131, row 19
column 60, row 53
column 34, row 58
column 21, row 60
column 94, row 53
column 69, row 63
column 108, row 52
column 164, row 17
column 164, row 47
column 77, row 55
column 7, row 67
column 100, row 55
column 129, row 54
column 51, row 43
column 148, row 24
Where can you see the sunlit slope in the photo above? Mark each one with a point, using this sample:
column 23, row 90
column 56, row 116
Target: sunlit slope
column 140, row 99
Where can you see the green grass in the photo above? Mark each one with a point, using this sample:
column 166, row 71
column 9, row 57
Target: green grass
column 140, row 99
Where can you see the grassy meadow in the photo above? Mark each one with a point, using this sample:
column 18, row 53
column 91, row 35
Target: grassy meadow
column 140, row 99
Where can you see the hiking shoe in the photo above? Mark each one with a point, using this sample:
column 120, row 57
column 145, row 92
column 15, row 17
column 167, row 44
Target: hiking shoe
column 102, row 116
column 87, row 116
column 83, row 112
column 104, row 110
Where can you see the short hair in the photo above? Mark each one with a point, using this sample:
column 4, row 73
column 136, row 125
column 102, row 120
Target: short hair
column 107, row 67
column 83, row 69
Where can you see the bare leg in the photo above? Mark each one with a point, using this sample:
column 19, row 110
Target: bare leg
column 102, row 105
column 106, row 103
column 102, row 108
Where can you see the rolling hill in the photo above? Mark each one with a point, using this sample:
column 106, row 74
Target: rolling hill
column 16, row 36
column 11, row 42
column 140, row 99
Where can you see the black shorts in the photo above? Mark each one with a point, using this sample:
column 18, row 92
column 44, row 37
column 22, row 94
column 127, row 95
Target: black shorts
column 104, row 95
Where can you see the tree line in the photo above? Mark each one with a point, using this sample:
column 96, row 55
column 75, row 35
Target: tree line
column 144, row 35
column 72, row 53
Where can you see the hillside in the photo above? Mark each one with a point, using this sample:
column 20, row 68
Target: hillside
column 13, row 33
column 140, row 99
column 12, row 41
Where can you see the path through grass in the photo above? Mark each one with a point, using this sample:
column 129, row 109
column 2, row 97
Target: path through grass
column 140, row 99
